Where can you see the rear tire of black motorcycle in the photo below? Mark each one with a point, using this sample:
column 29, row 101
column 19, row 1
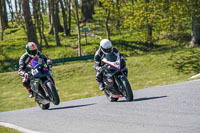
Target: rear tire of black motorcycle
column 44, row 106
column 128, row 89
column 54, row 94
column 111, row 99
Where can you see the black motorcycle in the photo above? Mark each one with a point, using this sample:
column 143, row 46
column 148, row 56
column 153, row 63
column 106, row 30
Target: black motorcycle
column 115, row 82
column 42, row 84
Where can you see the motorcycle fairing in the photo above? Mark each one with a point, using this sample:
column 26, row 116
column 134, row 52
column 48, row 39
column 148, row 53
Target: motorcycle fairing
column 116, row 64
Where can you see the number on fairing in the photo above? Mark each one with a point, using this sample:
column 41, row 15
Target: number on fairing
column 34, row 71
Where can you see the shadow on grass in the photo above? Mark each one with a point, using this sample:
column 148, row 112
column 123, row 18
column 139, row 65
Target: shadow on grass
column 142, row 46
column 69, row 107
column 144, row 99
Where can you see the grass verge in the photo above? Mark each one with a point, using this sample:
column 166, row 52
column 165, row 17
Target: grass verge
column 7, row 130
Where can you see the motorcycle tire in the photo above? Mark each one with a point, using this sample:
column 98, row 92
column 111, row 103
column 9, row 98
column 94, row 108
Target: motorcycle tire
column 44, row 106
column 128, row 94
column 53, row 93
column 111, row 99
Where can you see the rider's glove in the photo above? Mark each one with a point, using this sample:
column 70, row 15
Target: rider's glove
column 49, row 62
column 98, row 68
column 26, row 76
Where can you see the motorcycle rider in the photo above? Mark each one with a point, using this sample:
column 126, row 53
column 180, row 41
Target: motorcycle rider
column 104, row 48
column 31, row 53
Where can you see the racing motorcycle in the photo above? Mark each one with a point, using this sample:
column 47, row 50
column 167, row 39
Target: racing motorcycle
column 42, row 84
column 115, row 82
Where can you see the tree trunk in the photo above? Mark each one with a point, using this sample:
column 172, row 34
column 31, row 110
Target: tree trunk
column 39, row 21
column 31, row 32
column 78, row 27
column 87, row 10
column 60, row 28
column 106, row 22
column 64, row 18
column 149, row 35
column 118, row 14
column 69, row 17
column 195, row 31
column 16, row 8
column 3, row 15
column 11, row 10
column 51, row 8
column 55, row 21
column 149, row 29
column 54, row 12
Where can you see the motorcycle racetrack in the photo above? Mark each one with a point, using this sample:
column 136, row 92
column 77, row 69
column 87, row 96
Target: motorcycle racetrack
column 163, row 109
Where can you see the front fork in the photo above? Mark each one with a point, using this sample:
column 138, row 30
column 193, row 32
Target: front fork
column 38, row 82
column 118, row 82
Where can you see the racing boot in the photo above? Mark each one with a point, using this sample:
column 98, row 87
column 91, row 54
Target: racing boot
column 30, row 92
column 101, row 88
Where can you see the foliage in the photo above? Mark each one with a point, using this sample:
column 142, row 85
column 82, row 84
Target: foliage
column 164, row 16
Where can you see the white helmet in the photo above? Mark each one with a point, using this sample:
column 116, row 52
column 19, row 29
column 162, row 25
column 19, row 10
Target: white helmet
column 106, row 46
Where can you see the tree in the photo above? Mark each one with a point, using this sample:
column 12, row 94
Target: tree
column 3, row 17
column 87, row 10
column 68, row 5
column 11, row 10
column 106, row 23
column 54, row 19
column 31, row 32
column 53, row 12
column 39, row 22
column 195, row 9
column 66, row 30
column 108, row 6
column 195, row 31
column 76, row 14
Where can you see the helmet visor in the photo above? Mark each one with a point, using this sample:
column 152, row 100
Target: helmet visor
column 32, row 52
column 108, row 50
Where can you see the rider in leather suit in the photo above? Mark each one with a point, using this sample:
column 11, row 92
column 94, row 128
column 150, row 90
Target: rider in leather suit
column 105, row 48
column 31, row 52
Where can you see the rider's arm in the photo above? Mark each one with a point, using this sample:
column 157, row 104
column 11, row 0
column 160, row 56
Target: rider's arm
column 21, row 70
column 115, row 50
column 42, row 56
column 46, row 60
column 97, row 60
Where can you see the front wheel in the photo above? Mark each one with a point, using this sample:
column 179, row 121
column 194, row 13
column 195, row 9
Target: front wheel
column 53, row 95
column 127, row 92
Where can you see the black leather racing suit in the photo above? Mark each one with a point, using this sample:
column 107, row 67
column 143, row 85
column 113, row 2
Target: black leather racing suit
column 23, row 62
column 99, row 55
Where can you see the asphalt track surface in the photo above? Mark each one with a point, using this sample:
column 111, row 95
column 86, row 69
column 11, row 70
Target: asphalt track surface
column 164, row 109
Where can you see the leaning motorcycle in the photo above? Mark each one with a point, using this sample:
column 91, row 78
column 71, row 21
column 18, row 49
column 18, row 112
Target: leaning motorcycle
column 115, row 82
column 42, row 84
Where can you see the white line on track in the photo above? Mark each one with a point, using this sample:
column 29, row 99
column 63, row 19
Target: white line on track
column 18, row 128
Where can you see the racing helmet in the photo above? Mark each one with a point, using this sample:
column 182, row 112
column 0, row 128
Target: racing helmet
column 31, row 49
column 106, row 46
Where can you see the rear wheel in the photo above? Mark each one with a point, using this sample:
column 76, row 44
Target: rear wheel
column 127, row 92
column 53, row 95
column 109, row 97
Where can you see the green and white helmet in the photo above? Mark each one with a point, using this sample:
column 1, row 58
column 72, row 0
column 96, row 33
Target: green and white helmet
column 31, row 49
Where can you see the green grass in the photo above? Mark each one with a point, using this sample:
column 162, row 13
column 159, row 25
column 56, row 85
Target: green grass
column 77, row 80
column 7, row 130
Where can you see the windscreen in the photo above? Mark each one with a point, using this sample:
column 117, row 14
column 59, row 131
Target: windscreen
column 111, row 57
